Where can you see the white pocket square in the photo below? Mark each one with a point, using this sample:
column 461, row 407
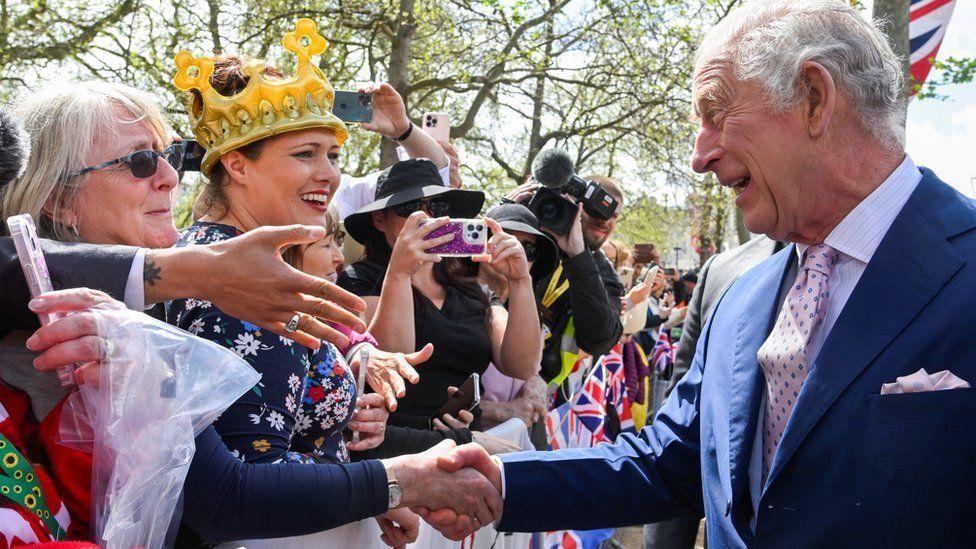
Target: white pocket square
column 922, row 381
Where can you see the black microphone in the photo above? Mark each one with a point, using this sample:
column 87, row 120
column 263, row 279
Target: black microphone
column 14, row 148
column 553, row 168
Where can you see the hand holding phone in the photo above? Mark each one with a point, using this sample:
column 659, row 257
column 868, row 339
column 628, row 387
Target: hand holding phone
column 466, row 398
column 24, row 234
column 470, row 238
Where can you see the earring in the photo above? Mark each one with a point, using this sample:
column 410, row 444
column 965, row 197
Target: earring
column 74, row 230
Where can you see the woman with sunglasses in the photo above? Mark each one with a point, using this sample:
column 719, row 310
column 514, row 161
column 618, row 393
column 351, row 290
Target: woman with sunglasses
column 414, row 298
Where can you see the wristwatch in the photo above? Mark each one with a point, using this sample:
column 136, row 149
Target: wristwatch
column 395, row 493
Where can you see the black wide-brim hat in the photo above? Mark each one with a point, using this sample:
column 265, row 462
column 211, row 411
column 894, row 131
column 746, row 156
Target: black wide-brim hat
column 516, row 217
column 406, row 181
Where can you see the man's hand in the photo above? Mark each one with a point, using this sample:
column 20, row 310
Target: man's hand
column 399, row 527
column 369, row 420
column 450, row 523
column 246, row 278
column 523, row 192
column 428, row 484
column 73, row 339
column 387, row 371
column 571, row 243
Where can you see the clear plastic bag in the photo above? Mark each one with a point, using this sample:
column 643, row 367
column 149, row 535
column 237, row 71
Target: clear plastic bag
column 158, row 388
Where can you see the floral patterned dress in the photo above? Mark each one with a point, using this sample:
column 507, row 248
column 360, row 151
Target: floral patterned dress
column 305, row 398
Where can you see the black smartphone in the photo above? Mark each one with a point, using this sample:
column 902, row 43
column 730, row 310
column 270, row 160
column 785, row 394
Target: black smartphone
column 467, row 397
column 353, row 106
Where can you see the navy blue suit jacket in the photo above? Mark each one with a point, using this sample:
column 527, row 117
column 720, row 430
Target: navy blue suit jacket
column 854, row 469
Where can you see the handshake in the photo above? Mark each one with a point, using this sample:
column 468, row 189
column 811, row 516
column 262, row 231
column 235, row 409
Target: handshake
column 457, row 490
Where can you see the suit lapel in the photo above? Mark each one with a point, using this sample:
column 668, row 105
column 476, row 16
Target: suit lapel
column 911, row 265
column 747, row 385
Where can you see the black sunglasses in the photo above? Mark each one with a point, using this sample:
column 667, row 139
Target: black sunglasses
column 531, row 251
column 143, row 163
column 435, row 207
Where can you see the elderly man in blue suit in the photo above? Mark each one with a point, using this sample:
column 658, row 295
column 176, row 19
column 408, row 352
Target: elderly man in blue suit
column 792, row 428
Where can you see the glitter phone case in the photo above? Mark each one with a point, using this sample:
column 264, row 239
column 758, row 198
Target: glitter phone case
column 470, row 238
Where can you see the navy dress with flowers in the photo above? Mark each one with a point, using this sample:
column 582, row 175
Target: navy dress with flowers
column 305, row 398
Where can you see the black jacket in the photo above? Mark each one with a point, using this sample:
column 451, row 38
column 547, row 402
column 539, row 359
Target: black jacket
column 103, row 268
column 592, row 301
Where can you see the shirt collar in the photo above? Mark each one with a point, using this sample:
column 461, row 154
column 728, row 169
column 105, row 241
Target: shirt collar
column 860, row 233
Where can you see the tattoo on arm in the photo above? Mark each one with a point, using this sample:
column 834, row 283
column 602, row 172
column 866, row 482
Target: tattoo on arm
column 150, row 272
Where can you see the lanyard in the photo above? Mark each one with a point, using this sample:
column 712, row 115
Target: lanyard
column 555, row 290
column 19, row 484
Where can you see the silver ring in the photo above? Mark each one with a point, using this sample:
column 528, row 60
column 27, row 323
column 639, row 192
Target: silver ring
column 293, row 324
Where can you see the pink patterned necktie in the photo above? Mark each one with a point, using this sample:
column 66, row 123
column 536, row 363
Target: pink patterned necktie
column 783, row 355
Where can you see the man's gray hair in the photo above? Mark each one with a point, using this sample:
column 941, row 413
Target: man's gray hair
column 767, row 41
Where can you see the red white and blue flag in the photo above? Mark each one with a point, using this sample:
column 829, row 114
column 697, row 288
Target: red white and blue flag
column 927, row 22
column 582, row 423
column 662, row 356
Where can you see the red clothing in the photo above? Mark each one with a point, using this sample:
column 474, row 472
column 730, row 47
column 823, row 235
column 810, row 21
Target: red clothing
column 61, row 471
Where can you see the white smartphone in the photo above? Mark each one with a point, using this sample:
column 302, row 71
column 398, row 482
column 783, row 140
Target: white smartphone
column 437, row 125
column 24, row 234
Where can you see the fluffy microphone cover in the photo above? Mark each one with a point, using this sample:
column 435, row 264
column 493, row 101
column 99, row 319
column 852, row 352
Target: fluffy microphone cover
column 14, row 148
column 552, row 167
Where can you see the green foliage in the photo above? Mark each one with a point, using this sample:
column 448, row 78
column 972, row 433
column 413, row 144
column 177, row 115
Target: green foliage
column 607, row 80
column 945, row 72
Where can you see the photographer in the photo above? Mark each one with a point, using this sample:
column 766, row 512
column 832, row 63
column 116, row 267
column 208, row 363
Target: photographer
column 581, row 299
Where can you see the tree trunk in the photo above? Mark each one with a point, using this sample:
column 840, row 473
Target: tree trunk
column 538, row 99
column 895, row 15
column 397, row 70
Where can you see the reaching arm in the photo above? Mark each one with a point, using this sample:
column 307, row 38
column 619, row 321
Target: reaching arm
column 225, row 499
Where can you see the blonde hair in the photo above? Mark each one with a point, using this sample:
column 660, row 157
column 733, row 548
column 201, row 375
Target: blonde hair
column 63, row 122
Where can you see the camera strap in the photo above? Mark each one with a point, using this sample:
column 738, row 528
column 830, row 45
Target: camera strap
column 555, row 289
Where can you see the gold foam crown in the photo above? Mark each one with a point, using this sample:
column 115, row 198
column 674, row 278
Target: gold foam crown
column 266, row 106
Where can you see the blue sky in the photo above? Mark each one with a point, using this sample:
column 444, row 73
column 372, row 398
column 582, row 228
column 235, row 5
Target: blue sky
column 942, row 134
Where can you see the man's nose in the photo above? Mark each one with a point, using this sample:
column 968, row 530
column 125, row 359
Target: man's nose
column 707, row 150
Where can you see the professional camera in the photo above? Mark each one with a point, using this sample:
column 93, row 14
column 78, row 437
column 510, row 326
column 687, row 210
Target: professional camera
column 554, row 170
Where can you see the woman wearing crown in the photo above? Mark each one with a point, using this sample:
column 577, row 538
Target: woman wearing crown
column 272, row 150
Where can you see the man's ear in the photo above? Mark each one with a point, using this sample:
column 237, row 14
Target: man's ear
column 235, row 164
column 820, row 100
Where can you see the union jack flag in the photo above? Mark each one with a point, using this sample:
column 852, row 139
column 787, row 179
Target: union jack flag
column 927, row 22
column 662, row 356
column 582, row 423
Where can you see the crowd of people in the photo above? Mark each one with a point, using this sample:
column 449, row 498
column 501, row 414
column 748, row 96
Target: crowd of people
column 317, row 279
column 102, row 177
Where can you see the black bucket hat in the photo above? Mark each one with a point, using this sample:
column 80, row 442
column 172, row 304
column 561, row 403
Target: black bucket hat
column 516, row 217
column 406, row 181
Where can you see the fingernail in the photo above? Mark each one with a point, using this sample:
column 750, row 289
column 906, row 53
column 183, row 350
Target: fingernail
column 33, row 342
column 37, row 304
column 316, row 232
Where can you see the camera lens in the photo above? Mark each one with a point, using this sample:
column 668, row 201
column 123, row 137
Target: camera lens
column 548, row 211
